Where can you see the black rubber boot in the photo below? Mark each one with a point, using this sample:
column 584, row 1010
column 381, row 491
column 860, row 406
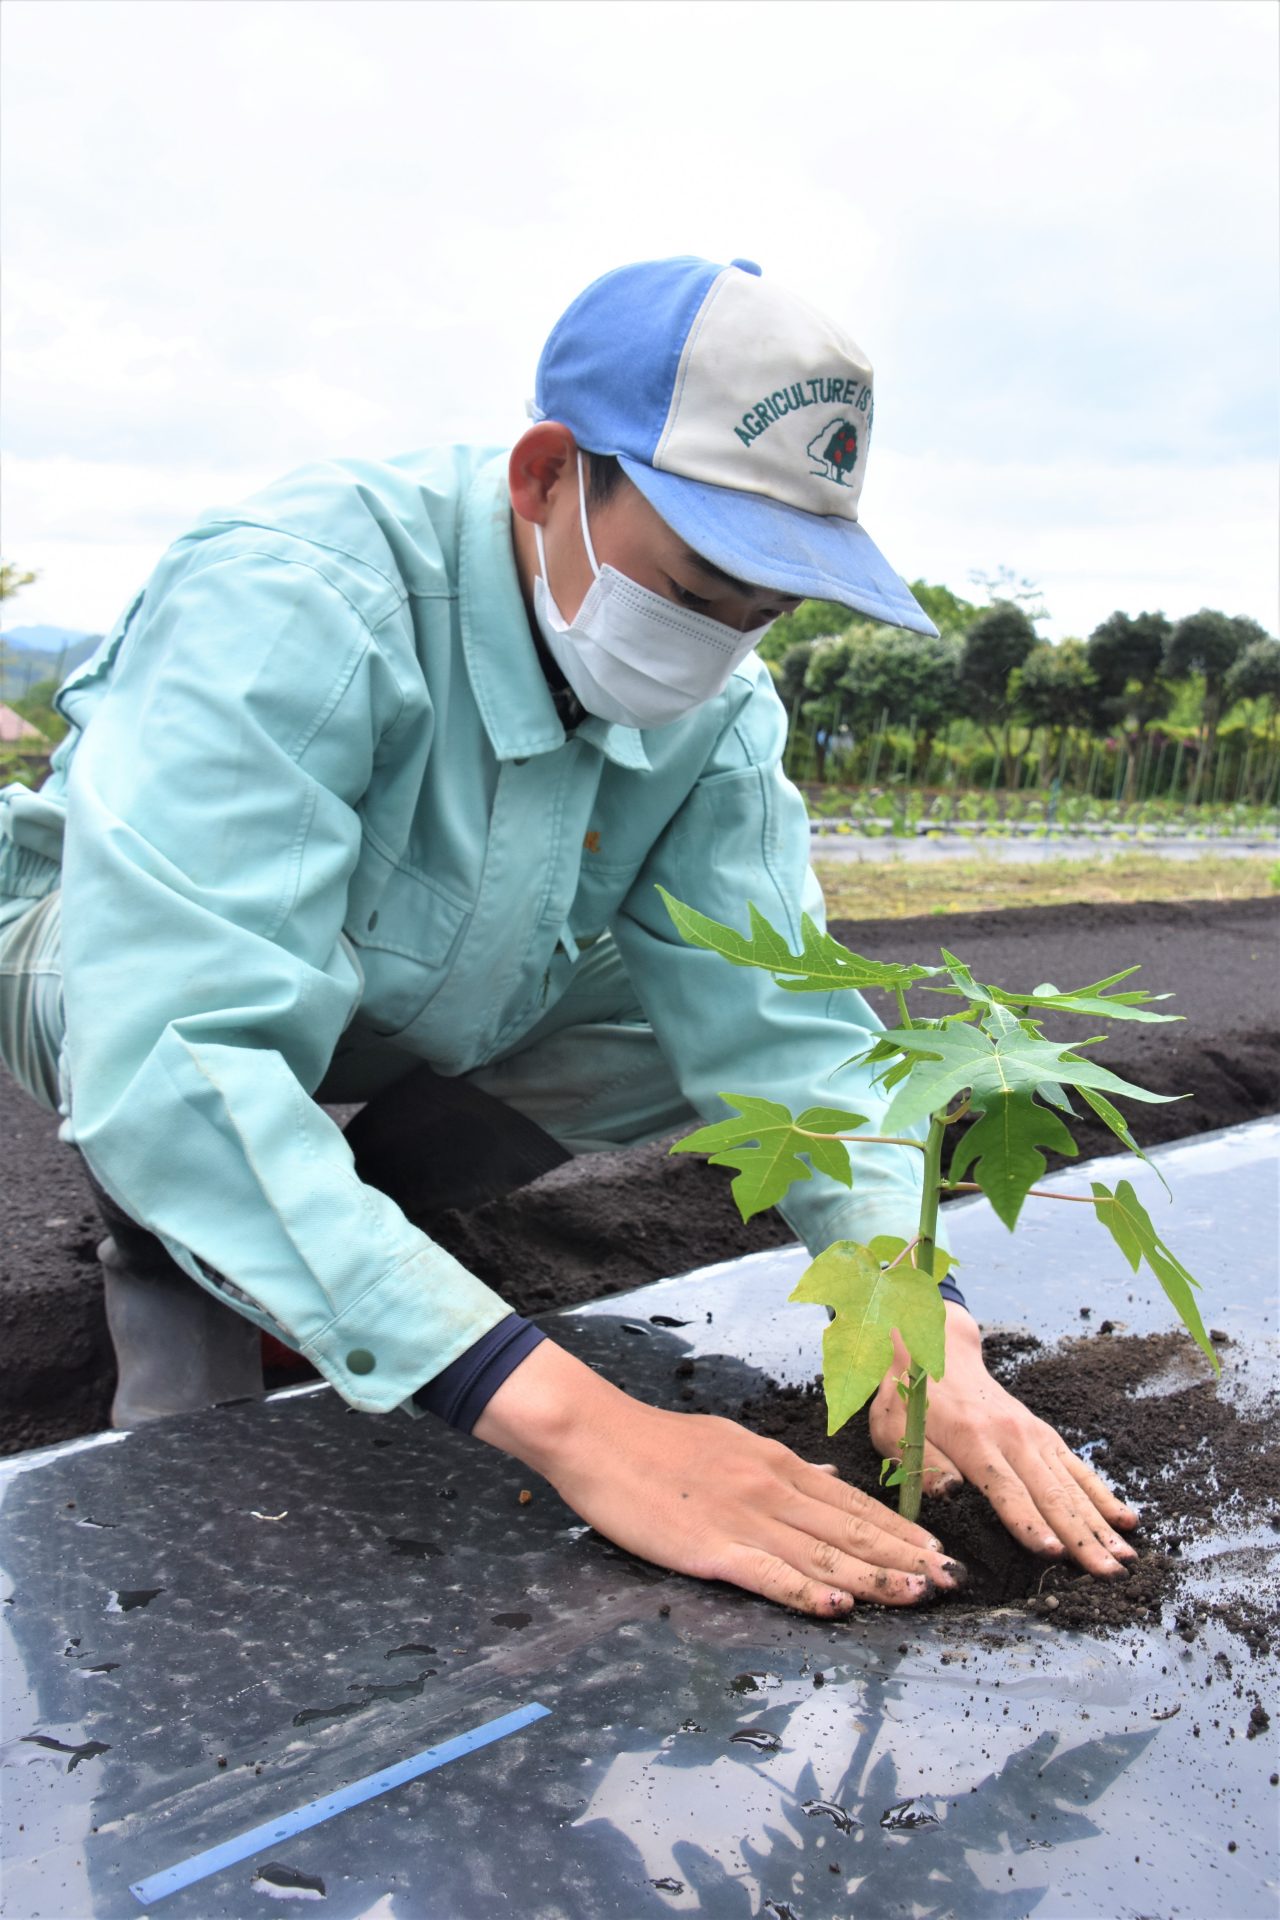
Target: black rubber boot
column 177, row 1348
column 432, row 1143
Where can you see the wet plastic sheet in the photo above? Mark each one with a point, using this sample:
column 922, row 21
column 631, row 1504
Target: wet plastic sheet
column 220, row 1620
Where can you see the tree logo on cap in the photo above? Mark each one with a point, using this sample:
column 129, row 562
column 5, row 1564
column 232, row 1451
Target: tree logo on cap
column 834, row 451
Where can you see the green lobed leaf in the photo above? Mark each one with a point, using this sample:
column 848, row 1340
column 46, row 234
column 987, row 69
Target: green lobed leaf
column 1003, row 1023
column 821, row 965
column 1090, row 1000
column 1005, row 1145
column 764, row 1143
column 955, row 1057
column 962, row 980
column 1115, row 1006
column 830, row 1120
column 767, row 942
column 881, row 1053
column 1115, row 1120
column 870, row 1302
column 1129, row 1224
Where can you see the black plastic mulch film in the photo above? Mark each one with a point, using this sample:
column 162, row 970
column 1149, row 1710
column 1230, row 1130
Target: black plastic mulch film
column 220, row 1620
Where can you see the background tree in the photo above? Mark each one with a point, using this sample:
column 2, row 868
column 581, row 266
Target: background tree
column 826, row 700
column 995, row 646
column 823, row 619
column 1209, row 643
column 948, row 612
column 788, row 677
column 1055, row 688
column 1127, row 657
column 1255, row 680
column 1004, row 587
column 1256, row 676
column 37, row 709
column 13, row 579
column 812, row 620
column 910, row 677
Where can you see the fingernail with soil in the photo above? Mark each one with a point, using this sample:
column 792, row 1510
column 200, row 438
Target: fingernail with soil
column 954, row 1574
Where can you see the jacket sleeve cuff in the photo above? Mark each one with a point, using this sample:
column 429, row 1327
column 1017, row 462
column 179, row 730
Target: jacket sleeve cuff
column 405, row 1329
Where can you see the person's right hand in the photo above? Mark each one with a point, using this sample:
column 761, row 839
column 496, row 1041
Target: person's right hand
column 706, row 1497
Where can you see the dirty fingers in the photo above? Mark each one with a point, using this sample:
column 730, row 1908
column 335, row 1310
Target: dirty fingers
column 703, row 1496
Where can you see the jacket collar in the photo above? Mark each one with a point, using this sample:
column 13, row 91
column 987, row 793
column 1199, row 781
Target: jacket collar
column 507, row 680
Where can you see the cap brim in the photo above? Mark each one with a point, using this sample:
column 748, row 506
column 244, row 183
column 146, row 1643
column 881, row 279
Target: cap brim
column 818, row 556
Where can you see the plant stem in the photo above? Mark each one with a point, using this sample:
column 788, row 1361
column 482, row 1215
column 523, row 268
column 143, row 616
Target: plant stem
column 917, row 1380
column 912, row 1482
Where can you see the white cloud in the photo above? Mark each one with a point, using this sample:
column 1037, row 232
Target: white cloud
column 1095, row 537
column 243, row 234
column 93, row 530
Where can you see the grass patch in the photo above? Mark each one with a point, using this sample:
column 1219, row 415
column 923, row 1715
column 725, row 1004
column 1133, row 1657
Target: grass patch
column 892, row 890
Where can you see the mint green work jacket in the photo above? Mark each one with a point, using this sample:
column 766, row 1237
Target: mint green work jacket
column 316, row 792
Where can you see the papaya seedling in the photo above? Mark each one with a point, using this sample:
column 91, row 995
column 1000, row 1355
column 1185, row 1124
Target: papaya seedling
column 985, row 1069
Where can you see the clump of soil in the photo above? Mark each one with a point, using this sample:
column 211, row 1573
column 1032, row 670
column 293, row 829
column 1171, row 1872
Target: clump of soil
column 1155, row 1425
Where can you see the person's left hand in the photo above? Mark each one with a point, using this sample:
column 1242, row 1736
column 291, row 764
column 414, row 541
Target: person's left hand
column 1045, row 1494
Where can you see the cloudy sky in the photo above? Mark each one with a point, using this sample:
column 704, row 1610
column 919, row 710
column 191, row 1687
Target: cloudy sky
column 245, row 234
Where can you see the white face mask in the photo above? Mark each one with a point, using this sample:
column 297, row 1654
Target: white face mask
column 629, row 655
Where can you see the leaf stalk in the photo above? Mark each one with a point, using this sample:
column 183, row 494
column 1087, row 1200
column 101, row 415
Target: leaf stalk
column 1033, row 1193
column 874, row 1139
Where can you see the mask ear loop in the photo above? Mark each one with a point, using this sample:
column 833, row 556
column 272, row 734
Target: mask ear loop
column 586, row 531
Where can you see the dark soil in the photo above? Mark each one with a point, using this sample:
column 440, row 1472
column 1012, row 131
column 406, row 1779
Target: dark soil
column 613, row 1222
column 1190, row 1458
column 56, row 1368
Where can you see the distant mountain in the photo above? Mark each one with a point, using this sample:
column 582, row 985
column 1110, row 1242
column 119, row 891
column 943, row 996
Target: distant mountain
column 31, row 654
column 43, row 639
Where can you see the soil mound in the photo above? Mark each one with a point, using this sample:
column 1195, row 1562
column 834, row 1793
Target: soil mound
column 1191, row 1454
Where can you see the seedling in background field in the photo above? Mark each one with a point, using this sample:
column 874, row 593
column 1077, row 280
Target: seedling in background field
column 983, row 1077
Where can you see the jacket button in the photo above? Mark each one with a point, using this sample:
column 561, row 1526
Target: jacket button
column 360, row 1360
column 520, row 763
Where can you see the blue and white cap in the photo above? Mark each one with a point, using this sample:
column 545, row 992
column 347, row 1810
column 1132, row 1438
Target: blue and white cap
column 743, row 416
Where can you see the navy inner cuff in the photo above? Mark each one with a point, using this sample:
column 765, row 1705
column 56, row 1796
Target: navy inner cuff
column 461, row 1393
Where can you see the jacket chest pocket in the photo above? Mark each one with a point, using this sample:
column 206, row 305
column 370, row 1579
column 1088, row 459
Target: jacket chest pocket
column 398, row 910
column 600, row 892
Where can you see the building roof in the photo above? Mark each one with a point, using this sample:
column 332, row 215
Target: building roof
column 14, row 729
